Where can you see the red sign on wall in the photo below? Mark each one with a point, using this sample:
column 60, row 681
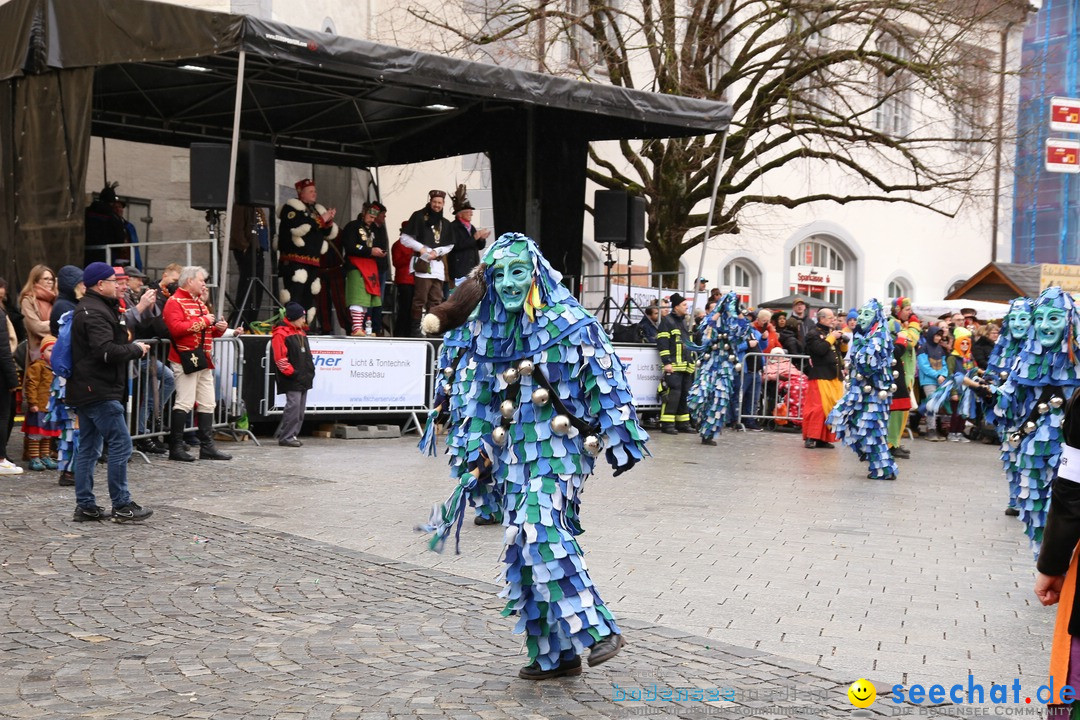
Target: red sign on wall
column 1065, row 114
column 1062, row 156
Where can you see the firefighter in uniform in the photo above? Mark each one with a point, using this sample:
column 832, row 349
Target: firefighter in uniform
column 672, row 342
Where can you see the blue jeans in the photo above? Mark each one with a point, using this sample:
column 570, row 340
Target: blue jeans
column 99, row 423
column 751, row 388
column 166, row 384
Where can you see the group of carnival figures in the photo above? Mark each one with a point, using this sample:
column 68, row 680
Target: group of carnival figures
column 531, row 393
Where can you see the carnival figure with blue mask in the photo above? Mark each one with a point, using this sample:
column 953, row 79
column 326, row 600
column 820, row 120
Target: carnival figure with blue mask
column 861, row 418
column 544, row 395
column 1015, row 329
column 1043, row 377
column 723, row 334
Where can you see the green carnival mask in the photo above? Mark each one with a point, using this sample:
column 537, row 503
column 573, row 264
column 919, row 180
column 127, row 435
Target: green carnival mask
column 1049, row 325
column 513, row 277
column 1019, row 324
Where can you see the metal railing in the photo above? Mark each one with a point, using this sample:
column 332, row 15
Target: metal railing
column 188, row 245
column 151, row 382
column 777, row 387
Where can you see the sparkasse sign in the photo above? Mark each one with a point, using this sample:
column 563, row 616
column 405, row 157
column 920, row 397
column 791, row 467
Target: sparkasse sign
column 1062, row 156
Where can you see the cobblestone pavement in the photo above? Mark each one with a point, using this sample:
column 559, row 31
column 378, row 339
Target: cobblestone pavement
column 291, row 584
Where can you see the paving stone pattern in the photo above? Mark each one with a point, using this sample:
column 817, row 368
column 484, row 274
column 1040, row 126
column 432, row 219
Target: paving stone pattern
column 192, row 616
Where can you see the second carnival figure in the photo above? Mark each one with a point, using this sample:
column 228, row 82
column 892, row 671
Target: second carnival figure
column 861, row 418
column 1015, row 329
column 723, row 335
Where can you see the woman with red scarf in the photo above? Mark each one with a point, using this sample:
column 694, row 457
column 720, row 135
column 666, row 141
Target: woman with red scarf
column 35, row 304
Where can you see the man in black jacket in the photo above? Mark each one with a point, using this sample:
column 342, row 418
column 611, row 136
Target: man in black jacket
column 97, row 389
column 469, row 240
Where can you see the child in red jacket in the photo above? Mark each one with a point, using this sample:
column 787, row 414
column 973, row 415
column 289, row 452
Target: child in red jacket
column 294, row 371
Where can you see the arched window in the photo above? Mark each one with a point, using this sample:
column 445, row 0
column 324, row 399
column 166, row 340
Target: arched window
column 898, row 287
column 817, row 271
column 740, row 276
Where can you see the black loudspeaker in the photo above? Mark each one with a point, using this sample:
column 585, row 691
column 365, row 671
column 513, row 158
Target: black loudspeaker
column 255, row 174
column 209, row 189
column 609, row 217
column 210, row 175
column 635, row 225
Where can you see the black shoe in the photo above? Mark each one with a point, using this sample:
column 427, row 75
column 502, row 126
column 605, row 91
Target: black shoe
column 208, row 450
column 565, row 668
column 826, row 445
column 481, row 520
column 606, row 649
column 157, row 442
column 131, row 512
column 147, row 446
column 684, row 428
column 708, row 441
column 873, row 476
column 900, row 452
column 1012, row 512
column 810, row 444
column 67, row 479
column 290, row 442
column 90, row 513
column 668, row 430
column 179, row 452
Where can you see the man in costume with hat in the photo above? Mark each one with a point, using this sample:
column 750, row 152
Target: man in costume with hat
column 305, row 227
column 468, row 239
column 544, row 395
column 363, row 291
column 673, row 342
column 382, row 241
column 428, row 235
column 105, row 225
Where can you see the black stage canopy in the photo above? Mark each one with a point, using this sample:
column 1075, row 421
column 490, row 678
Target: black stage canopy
column 167, row 74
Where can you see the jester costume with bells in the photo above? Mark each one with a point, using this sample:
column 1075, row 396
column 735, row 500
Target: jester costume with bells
column 723, row 345
column 447, row 409
column 1045, row 374
column 1015, row 329
column 861, row 417
column 956, row 396
column 544, row 393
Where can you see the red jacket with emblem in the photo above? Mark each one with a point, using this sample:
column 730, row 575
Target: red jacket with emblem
column 188, row 320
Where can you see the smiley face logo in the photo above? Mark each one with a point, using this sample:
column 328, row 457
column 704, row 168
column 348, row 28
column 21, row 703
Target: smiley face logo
column 862, row 693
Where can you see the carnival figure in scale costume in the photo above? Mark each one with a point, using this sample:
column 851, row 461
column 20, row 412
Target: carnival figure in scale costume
column 723, row 345
column 861, row 417
column 544, row 394
column 1015, row 329
column 1044, row 376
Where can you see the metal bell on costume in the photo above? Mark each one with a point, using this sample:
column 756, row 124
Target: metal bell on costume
column 507, row 409
column 731, row 358
column 896, row 373
column 526, row 367
column 593, row 445
column 867, row 389
column 1014, row 440
column 883, row 394
column 1056, row 402
column 1029, row 427
column 892, row 388
column 560, row 424
column 541, row 396
column 498, row 436
column 510, row 375
column 738, row 367
column 446, row 388
column 1003, row 374
column 1043, row 408
column 448, row 372
column 858, row 376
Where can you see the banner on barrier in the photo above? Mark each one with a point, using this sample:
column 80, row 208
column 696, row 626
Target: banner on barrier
column 355, row 374
column 643, row 372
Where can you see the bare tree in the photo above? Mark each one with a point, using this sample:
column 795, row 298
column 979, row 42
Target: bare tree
column 872, row 100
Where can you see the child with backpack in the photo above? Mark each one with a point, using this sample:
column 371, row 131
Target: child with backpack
column 59, row 414
column 37, row 427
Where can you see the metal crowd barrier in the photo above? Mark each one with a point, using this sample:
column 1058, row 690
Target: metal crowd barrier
column 779, row 382
column 317, row 403
column 151, row 384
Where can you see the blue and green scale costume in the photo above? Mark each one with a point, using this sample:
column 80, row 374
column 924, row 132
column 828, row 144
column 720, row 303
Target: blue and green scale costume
column 1001, row 414
column 723, row 345
column 540, row 448
column 1041, row 380
column 861, row 417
